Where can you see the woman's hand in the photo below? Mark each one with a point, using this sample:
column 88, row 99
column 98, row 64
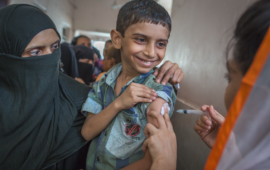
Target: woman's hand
column 135, row 93
column 172, row 73
column 161, row 142
column 79, row 80
column 207, row 128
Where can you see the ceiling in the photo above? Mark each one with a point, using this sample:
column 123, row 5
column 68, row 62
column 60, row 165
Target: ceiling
column 101, row 16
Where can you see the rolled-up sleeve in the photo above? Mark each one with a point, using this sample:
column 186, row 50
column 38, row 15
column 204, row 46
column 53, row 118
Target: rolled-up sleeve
column 166, row 93
column 92, row 104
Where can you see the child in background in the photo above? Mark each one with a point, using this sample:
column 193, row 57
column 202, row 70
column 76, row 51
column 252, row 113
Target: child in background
column 112, row 57
column 117, row 106
column 108, row 44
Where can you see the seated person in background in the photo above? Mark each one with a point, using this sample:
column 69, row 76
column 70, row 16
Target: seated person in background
column 117, row 106
column 112, row 57
column 85, row 61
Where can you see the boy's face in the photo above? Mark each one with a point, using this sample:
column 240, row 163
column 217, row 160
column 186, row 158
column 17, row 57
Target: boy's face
column 143, row 46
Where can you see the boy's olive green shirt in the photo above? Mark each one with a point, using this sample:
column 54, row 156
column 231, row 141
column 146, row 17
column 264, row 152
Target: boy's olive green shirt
column 120, row 144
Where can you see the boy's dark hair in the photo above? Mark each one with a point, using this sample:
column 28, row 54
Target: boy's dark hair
column 249, row 34
column 75, row 39
column 113, row 53
column 138, row 11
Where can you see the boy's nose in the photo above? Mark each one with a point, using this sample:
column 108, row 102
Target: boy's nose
column 150, row 51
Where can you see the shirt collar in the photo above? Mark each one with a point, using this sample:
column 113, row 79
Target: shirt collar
column 112, row 75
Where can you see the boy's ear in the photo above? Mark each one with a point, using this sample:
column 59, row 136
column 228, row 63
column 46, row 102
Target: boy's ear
column 116, row 39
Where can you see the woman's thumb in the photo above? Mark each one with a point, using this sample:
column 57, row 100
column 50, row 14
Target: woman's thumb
column 215, row 115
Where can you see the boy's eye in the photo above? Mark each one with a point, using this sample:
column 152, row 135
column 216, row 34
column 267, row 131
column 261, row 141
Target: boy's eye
column 161, row 44
column 142, row 40
column 35, row 52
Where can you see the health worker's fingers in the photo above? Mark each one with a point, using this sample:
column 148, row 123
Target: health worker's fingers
column 204, row 108
column 150, row 130
column 202, row 125
column 145, row 145
column 199, row 129
column 159, row 118
column 216, row 116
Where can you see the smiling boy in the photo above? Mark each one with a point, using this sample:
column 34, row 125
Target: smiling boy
column 117, row 106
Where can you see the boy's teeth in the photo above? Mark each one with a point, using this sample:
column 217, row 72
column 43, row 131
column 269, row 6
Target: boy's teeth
column 147, row 62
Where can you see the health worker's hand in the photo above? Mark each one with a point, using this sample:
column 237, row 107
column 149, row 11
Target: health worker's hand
column 207, row 128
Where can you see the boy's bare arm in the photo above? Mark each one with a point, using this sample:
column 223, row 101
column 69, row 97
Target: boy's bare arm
column 135, row 93
column 155, row 106
column 95, row 124
column 146, row 162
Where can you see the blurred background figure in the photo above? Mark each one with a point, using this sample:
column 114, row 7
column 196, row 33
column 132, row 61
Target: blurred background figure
column 69, row 61
column 108, row 44
column 85, row 61
column 85, row 41
column 112, row 57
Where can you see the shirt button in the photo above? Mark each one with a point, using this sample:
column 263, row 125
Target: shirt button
column 98, row 159
column 128, row 120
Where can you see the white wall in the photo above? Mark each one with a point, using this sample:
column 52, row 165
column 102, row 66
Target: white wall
column 201, row 30
column 60, row 11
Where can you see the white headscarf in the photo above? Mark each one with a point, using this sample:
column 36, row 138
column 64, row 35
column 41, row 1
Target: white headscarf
column 244, row 139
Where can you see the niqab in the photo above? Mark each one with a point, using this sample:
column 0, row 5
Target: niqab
column 85, row 70
column 39, row 120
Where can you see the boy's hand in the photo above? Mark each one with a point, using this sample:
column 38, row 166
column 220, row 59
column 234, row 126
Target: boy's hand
column 208, row 128
column 171, row 72
column 135, row 93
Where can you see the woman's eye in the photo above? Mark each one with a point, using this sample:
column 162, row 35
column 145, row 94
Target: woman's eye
column 55, row 46
column 35, row 52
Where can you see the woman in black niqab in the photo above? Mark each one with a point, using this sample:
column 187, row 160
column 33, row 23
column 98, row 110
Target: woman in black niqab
column 39, row 120
column 85, row 61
